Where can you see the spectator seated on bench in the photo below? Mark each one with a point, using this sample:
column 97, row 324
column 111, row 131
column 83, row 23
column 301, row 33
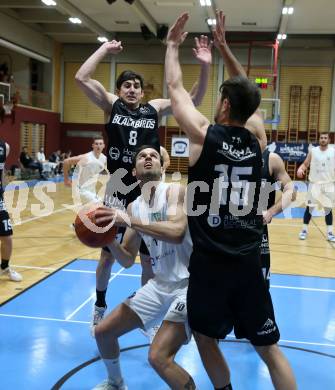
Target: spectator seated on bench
column 56, row 158
column 48, row 166
column 28, row 163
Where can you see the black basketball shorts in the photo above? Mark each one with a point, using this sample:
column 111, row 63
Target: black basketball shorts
column 231, row 295
column 5, row 224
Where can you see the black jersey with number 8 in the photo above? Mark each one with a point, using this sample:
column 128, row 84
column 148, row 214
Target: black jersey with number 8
column 127, row 130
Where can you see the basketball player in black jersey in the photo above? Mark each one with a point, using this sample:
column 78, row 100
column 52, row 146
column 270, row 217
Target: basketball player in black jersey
column 226, row 285
column 273, row 175
column 129, row 124
column 6, row 231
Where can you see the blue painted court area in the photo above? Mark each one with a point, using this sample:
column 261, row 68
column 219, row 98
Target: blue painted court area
column 46, row 341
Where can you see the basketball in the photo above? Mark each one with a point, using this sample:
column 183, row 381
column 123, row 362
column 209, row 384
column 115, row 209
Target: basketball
column 90, row 233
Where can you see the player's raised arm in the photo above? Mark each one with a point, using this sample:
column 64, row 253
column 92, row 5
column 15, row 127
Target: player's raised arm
column 189, row 119
column 92, row 88
column 255, row 123
column 203, row 53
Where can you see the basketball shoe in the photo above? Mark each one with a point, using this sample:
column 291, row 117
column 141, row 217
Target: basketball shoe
column 303, row 235
column 97, row 317
column 11, row 274
column 108, row 384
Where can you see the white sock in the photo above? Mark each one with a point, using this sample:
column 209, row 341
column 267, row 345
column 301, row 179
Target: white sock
column 113, row 369
column 305, row 227
column 329, row 229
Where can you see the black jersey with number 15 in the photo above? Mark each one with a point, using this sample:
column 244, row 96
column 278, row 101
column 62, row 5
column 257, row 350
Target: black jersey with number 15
column 127, row 130
column 223, row 199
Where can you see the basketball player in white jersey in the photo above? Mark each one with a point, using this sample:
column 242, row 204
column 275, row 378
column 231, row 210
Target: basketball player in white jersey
column 321, row 189
column 88, row 168
column 158, row 218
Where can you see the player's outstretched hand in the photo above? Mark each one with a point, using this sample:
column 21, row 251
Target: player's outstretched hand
column 203, row 49
column 112, row 47
column 176, row 34
column 219, row 31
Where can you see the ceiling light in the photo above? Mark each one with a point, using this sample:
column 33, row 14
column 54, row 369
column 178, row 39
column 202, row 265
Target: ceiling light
column 205, row 3
column 75, row 20
column 281, row 36
column 287, row 10
column 102, row 39
column 49, row 2
column 211, row 22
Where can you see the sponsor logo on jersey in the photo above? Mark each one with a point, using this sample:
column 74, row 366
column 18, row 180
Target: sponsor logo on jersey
column 127, row 121
column 144, row 110
column 157, row 217
column 155, row 259
column 114, row 153
column 265, row 249
column 113, row 201
column 214, row 220
column 128, row 152
column 127, row 159
column 236, row 154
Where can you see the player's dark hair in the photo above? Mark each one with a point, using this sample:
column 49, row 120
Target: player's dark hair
column 139, row 150
column 129, row 75
column 324, row 133
column 243, row 96
column 97, row 137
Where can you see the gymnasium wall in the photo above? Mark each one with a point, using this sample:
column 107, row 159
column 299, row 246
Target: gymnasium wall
column 10, row 132
column 305, row 76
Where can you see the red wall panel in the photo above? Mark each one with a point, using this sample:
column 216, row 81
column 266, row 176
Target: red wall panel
column 10, row 132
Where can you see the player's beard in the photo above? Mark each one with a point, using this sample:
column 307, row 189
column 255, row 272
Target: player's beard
column 150, row 176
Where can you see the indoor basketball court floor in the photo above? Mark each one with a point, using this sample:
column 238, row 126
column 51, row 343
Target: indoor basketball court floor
column 46, row 343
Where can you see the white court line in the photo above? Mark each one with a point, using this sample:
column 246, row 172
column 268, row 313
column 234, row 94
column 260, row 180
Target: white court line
column 43, row 216
column 92, row 296
column 307, row 343
column 70, row 270
column 303, row 288
column 87, row 322
column 137, row 276
column 93, row 272
column 295, row 342
column 33, row 267
column 44, row 318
